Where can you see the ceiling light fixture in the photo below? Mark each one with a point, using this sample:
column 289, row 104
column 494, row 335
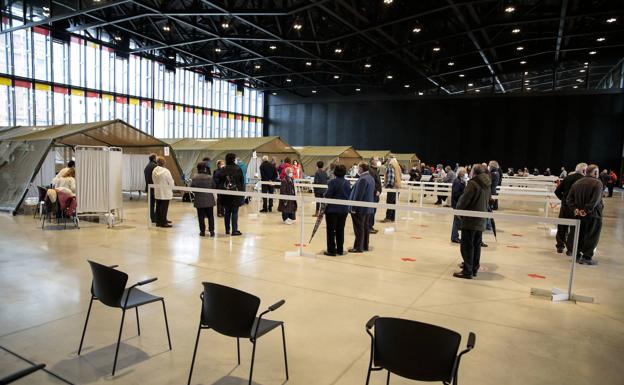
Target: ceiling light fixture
column 477, row 90
column 519, row 48
column 574, row 86
column 420, row 93
column 217, row 49
column 289, row 80
column 387, row 2
column 274, row 93
column 526, row 73
column 336, row 76
column 461, row 75
column 582, row 71
column 523, row 62
column 171, row 57
column 166, row 28
column 309, row 63
column 313, row 91
column 470, row 84
column 592, row 52
column 368, row 65
column 510, row 9
column 338, row 50
column 528, row 88
column 297, row 25
column 450, row 64
column 273, row 47
column 407, row 86
column 436, row 49
column 225, row 25
column 611, row 20
column 358, row 89
column 579, row 80
column 416, row 29
column 515, row 30
column 117, row 37
column 389, row 77
column 601, row 39
column 257, row 66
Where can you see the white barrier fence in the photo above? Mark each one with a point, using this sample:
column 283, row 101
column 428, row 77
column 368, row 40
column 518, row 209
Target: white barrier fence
column 555, row 294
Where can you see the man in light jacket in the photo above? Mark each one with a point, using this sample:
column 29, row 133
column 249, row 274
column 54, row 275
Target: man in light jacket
column 162, row 176
column 476, row 197
column 204, row 202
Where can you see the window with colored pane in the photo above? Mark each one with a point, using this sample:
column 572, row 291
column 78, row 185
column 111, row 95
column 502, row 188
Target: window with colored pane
column 93, row 107
column 43, row 104
column 121, row 108
column 6, row 103
column 160, row 123
column 78, row 107
column 60, row 57
column 108, row 66
column 108, row 107
column 61, row 105
column 146, row 117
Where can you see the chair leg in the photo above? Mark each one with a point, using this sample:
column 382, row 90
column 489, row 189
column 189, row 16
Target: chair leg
column 84, row 330
column 238, row 349
column 388, row 378
column 194, row 354
column 368, row 375
column 166, row 322
column 123, row 315
column 253, row 357
column 285, row 356
column 137, row 317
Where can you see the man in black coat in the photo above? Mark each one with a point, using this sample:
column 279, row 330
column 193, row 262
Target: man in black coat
column 497, row 180
column 231, row 179
column 148, row 180
column 268, row 173
column 585, row 198
column 374, row 172
column 564, row 240
column 476, row 197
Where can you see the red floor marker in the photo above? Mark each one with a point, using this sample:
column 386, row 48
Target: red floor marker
column 424, row 225
column 536, row 276
column 516, row 235
column 299, row 244
column 416, row 237
column 408, row 260
column 513, row 246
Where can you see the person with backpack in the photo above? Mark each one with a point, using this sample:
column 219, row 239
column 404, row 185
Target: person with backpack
column 204, row 202
column 231, row 179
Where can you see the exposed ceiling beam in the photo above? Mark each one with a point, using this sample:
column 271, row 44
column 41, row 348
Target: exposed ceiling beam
column 564, row 8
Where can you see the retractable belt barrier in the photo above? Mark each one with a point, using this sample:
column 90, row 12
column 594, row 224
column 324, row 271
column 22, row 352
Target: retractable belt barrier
column 555, row 294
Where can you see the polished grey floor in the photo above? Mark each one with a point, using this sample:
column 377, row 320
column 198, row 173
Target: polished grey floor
column 45, row 280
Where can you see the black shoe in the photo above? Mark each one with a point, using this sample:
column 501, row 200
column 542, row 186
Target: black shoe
column 167, row 225
column 483, row 244
column 227, row 232
column 270, row 210
column 559, row 250
column 236, row 233
column 460, row 274
column 373, row 231
column 438, row 203
column 202, row 234
column 455, row 241
column 587, row 261
column 169, row 222
column 569, row 253
column 264, row 211
column 330, row 254
column 369, row 249
column 355, row 251
column 212, row 234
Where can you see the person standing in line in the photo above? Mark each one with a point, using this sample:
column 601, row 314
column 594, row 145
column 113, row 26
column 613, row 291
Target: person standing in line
column 612, row 182
column 268, row 173
column 204, row 202
column 288, row 208
column 497, row 180
column 336, row 215
column 231, row 179
column 374, row 171
column 217, row 180
column 284, row 166
column 320, row 177
column 162, row 176
column 206, row 160
column 604, row 178
column 363, row 191
column 392, row 181
column 449, row 177
column 585, row 198
column 147, row 172
column 563, row 174
column 297, row 170
column 459, row 184
column 547, row 172
column 476, row 197
column 564, row 240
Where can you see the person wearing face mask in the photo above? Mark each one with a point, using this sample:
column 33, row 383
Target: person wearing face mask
column 288, row 208
column 364, row 191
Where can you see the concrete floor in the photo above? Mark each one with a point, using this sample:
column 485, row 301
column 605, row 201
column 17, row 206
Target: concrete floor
column 45, row 280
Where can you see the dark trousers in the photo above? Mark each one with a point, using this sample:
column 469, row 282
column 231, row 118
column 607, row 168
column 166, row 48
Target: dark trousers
column 471, row 250
column 291, row 216
column 371, row 217
column 202, row 214
column 335, row 232
column 391, row 199
column 231, row 215
column 610, row 188
column 589, row 236
column 152, row 206
column 267, row 203
column 220, row 208
column 162, row 207
column 565, row 237
column 441, row 198
column 360, row 228
column 494, row 204
column 455, row 229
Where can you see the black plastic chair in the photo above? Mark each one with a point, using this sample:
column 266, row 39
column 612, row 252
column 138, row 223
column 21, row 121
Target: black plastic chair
column 109, row 287
column 415, row 350
column 232, row 312
column 20, row 374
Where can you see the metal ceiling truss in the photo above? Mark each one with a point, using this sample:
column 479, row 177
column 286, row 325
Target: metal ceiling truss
column 473, row 33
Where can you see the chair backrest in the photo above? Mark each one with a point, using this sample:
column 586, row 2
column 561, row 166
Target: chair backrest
column 415, row 350
column 229, row 311
column 43, row 192
column 108, row 284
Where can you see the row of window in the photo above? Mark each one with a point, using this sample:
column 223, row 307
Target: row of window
column 55, row 82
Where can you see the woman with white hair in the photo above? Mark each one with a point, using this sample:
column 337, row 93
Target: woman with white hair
column 392, row 181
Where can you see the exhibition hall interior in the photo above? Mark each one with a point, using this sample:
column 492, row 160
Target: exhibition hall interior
column 311, row 192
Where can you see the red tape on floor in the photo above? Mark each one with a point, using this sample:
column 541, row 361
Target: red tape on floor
column 408, row 260
column 299, row 244
column 516, row 235
column 513, row 246
column 416, row 237
column 533, row 275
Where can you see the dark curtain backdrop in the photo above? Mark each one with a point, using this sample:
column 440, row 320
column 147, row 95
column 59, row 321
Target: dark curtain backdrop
column 533, row 131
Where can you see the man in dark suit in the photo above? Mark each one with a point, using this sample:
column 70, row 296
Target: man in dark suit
column 564, row 240
column 148, row 180
column 268, row 173
column 363, row 191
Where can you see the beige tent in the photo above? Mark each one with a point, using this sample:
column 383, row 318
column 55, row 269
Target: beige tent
column 345, row 155
column 23, row 150
column 407, row 160
column 190, row 151
column 368, row 155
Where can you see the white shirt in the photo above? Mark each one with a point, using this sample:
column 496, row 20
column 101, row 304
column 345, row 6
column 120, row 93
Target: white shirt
column 162, row 176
